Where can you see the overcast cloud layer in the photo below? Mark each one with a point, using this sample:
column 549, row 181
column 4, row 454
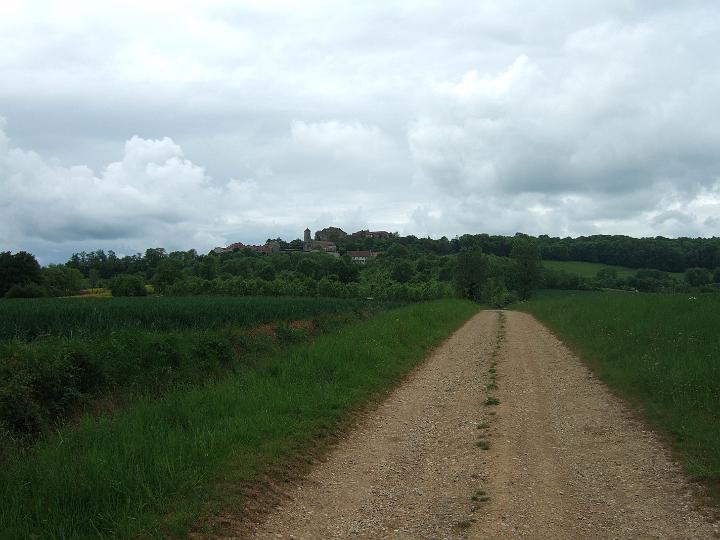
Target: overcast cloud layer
column 136, row 124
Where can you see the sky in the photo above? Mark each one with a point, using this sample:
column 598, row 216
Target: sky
column 126, row 124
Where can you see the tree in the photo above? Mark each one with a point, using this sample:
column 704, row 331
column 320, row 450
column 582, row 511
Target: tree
column 208, row 267
column 266, row 271
column 127, row 285
column 59, row 280
column 168, row 271
column 402, row 272
column 526, row 255
column 19, row 269
column 697, row 277
column 471, row 272
column 94, row 277
column 607, row 277
column 26, row 290
column 153, row 256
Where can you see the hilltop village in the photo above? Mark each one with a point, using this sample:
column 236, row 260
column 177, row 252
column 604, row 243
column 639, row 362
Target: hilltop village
column 324, row 242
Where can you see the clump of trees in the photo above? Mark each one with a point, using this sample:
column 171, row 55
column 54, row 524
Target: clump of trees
column 22, row 277
column 127, row 285
column 497, row 281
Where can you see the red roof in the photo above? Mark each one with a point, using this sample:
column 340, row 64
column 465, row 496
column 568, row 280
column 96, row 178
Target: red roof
column 362, row 254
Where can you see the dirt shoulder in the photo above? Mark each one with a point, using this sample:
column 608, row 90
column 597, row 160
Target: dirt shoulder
column 558, row 457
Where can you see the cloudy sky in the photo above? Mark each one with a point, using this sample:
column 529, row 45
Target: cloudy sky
column 131, row 124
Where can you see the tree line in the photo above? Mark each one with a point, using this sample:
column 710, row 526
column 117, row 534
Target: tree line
column 407, row 268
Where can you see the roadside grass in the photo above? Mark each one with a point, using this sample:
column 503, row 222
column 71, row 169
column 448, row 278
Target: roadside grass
column 659, row 350
column 153, row 469
column 45, row 381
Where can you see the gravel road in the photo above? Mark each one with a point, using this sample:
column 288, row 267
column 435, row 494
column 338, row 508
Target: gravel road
column 558, row 457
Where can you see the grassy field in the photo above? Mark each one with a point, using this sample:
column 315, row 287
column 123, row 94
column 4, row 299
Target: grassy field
column 587, row 269
column 660, row 351
column 29, row 318
column 151, row 470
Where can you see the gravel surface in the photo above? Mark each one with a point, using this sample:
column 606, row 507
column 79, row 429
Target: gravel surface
column 558, row 457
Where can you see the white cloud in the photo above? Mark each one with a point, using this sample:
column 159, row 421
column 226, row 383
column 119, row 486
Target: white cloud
column 245, row 120
column 520, row 76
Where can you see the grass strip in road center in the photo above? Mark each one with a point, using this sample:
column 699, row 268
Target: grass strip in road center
column 149, row 471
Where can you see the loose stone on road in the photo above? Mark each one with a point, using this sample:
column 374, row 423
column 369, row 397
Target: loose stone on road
column 558, row 457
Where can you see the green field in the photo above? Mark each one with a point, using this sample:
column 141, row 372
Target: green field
column 587, row 269
column 154, row 468
column 590, row 270
column 660, row 351
column 29, row 318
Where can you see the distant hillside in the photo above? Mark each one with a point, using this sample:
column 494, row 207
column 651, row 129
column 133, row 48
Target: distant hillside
column 590, row 270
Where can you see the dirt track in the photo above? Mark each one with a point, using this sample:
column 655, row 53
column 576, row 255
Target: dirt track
column 565, row 459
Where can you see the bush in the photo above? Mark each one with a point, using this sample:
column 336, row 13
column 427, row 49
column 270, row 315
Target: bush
column 27, row 290
column 697, row 277
column 127, row 285
column 61, row 280
column 494, row 293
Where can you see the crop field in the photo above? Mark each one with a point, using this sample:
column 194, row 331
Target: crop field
column 151, row 469
column 60, row 355
column 74, row 317
column 658, row 350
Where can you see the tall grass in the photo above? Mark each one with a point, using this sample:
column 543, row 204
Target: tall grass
column 662, row 351
column 77, row 317
column 151, row 470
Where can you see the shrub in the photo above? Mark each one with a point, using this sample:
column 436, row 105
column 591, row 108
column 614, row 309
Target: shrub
column 27, row 290
column 698, row 277
column 127, row 285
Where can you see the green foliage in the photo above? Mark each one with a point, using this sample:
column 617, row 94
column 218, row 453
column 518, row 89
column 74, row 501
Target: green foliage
column 127, row 285
column 93, row 277
column 661, row 350
column 74, row 317
column 168, row 272
column 26, row 290
column 149, row 470
column 494, row 293
column 18, row 269
column 654, row 281
column 471, row 272
column 44, row 379
column 61, row 280
column 698, row 276
column 551, row 278
column 526, row 254
column 588, row 270
column 402, row 272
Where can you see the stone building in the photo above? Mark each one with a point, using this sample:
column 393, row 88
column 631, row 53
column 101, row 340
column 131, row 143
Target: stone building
column 324, row 246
